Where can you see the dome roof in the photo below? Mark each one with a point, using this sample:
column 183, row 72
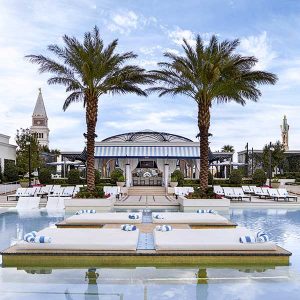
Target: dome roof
column 147, row 136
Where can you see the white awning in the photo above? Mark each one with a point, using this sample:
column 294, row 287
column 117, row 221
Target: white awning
column 148, row 151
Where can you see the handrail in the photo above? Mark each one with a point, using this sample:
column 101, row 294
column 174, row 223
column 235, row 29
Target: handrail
column 9, row 187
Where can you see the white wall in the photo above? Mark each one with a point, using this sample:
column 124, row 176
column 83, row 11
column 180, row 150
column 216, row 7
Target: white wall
column 7, row 151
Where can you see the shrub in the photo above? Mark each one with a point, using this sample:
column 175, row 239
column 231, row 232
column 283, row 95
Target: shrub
column 259, row 177
column 45, row 176
column 10, row 171
column 97, row 177
column 198, row 194
column 116, row 175
column 177, row 176
column 235, row 177
column 74, row 177
column 97, row 193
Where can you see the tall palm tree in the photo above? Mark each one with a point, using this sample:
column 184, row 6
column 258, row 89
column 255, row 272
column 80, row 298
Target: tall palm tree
column 227, row 148
column 207, row 74
column 89, row 70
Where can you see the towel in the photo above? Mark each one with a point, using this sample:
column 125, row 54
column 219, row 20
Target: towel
column 29, row 237
column 263, row 238
column 85, row 211
column 163, row 228
column 158, row 216
column 133, row 216
column 42, row 239
column 128, row 227
column 247, row 239
column 206, row 211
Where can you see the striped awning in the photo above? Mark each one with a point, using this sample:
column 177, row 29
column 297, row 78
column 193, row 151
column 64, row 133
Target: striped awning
column 148, row 151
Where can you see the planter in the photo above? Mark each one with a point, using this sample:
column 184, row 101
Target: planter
column 24, row 184
column 173, row 184
column 275, row 185
column 97, row 204
column 120, row 183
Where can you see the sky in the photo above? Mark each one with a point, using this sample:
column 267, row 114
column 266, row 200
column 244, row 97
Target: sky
column 267, row 29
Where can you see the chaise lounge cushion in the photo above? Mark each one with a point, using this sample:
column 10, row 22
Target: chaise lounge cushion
column 190, row 218
column 84, row 239
column 208, row 239
column 103, row 218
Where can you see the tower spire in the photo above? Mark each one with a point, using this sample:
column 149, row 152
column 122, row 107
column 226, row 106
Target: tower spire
column 285, row 133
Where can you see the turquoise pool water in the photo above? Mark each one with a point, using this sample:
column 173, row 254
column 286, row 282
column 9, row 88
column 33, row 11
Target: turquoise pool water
column 196, row 282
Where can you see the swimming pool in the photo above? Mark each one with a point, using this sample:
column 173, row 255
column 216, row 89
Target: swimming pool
column 197, row 282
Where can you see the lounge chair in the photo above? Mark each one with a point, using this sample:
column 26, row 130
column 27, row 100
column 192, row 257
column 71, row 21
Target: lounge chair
column 103, row 218
column 27, row 203
column 30, row 192
column 84, row 239
column 19, row 193
column 44, row 190
column 246, row 189
column 261, row 192
column 275, row 195
column 77, row 189
column 229, row 193
column 55, row 204
column 183, row 191
column 218, row 190
column 67, row 191
column 208, row 240
column 251, row 188
column 240, row 194
column 189, row 218
column 56, row 189
column 284, row 192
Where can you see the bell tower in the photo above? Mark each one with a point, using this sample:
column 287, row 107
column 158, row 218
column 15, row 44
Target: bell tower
column 39, row 125
column 285, row 133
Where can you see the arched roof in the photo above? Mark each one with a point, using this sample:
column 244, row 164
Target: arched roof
column 147, row 136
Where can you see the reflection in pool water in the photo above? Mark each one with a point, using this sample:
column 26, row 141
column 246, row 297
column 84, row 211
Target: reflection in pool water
column 197, row 282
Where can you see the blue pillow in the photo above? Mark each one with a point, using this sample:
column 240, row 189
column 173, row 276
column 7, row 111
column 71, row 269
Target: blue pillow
column 247, row 239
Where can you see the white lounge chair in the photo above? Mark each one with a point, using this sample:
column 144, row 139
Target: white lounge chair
column 284, row 192
column 77, row 189
column 240, row 194
column 56, row 191
column 218, row 190
column 44, row 190
column 27, row 203
column 275, row 195
column 19, row 193
column 261, row 192
column 30, row 192
column 67, row 191
column 229, row 193
column 246, row 189
column 55, row 204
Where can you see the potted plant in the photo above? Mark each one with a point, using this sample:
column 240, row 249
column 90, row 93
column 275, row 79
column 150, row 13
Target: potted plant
column 174, row 181
column 275, row 183
column 121, row 181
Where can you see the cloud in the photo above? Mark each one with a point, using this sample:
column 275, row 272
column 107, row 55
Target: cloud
column 179, row 34
column 260, row 47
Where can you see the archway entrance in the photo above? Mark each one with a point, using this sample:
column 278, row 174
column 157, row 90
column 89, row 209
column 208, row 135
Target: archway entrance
column 147, row 173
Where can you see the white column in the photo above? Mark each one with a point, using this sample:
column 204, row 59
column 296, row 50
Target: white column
column 128, row 175
column 166, row 175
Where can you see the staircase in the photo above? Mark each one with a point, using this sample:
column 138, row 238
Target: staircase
column 147, row 191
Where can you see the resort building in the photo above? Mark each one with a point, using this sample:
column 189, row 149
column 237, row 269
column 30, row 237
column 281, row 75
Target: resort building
column 7, row 150
column 147, row 158
column 40, row 121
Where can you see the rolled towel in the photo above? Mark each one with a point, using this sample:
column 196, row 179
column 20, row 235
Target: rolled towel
column 85, row 211
column 133, row 216
column 158, row 228
column 247, row 239
column 158, row 216
column 128, row 227
column 263, row 238
column 206, row 211
column 42, row 239
column 166, row 228
column 259, row 233
column 29, row 237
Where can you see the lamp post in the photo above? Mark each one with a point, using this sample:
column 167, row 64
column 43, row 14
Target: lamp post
column 29, row 162
column 270, row 164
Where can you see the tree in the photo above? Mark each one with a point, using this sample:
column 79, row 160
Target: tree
column 236, row 177
column 277, row 156
column 74, row 176
column 45, row 176
column 227, row 148
column 10, row 173
column 89, row 70
column 209, row 74
column 259, row 177
column 24, row 136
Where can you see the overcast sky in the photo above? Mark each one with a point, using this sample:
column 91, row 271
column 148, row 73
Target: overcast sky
column 267, row 29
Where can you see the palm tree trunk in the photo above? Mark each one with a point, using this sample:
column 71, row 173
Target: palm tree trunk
column 91, row 120
column 203, row 124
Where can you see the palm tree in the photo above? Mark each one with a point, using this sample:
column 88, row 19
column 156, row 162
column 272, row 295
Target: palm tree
column 89, row 70
column 227, row 148
column 208, row 74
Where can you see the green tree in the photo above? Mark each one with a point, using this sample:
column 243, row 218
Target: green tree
column 45, row 176
column 277, row 156
column 74, row 176
column 23, row 137
column 89, row 70
column 209, row 74
column 116, row 175
column 259, row 177
column 10, row 171
column 227, row 148
column 236, row 177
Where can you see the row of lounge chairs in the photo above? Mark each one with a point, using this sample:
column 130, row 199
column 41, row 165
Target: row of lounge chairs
column 32, row 203
column 245, row 192
column 48, row 190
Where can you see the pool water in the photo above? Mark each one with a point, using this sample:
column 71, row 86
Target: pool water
column 237, row 283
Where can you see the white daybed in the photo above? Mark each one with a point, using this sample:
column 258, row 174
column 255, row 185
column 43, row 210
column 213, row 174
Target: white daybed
column 103, row 218
column 84, row 239
column 207, row 240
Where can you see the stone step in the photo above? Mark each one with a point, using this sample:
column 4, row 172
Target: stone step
column 146, row 190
